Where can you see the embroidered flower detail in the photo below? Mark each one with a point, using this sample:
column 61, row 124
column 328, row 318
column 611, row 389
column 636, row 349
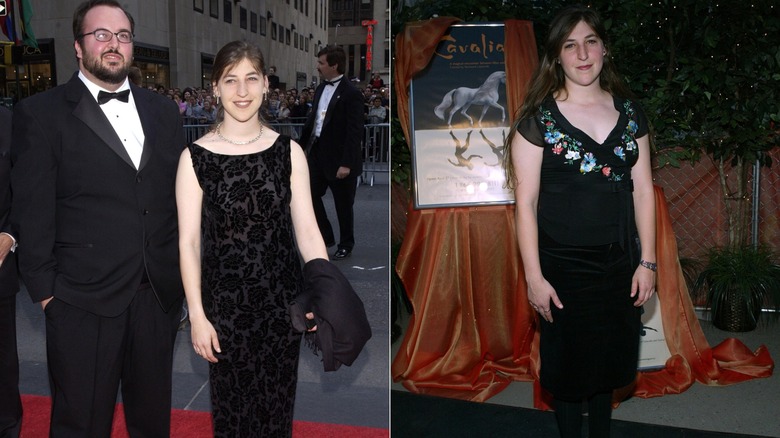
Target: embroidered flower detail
column 553, row 137
column 629, row 135
column 573, row 150
column 558, row 139
column 588, row 163
column 632, row 126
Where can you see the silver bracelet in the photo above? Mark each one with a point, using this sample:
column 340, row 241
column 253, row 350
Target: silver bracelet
column 649, row 265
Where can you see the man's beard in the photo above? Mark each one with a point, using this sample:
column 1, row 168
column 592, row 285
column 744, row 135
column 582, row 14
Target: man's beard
column 102, row 72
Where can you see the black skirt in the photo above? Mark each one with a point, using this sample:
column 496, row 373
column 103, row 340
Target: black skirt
column 593, row 343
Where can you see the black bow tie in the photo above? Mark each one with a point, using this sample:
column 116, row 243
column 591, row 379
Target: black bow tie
column 104, row 97
column 333, row 82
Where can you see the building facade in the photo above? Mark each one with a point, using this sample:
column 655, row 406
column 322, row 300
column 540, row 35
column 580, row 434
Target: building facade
column 176, row 41
column 349, row 26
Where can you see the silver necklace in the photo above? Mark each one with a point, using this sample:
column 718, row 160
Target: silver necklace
column 239, row 143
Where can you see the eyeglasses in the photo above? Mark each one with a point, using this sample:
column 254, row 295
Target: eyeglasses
column 105, row 35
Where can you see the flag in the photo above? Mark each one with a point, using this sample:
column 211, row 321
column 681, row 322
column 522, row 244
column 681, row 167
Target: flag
column 27, row 35
column 7, row 26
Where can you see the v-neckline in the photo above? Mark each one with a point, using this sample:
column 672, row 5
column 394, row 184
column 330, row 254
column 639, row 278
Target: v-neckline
column 582, row 134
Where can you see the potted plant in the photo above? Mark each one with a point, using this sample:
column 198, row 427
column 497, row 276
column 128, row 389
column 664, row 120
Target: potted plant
column 737, row 283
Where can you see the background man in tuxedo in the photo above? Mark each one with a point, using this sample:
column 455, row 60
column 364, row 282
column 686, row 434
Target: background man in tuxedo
column 333, row 134
column 10, row 403
column 94, row 164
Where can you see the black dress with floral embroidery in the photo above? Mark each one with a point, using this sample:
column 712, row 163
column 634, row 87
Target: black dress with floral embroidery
column 250, row 272
column 588, row 250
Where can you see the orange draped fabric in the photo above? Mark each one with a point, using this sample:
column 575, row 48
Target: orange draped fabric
column 473, row 332
column 520, row 60
column 414, row 48
column 462, row 342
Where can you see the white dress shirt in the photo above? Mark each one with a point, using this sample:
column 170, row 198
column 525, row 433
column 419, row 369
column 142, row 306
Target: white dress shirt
column 123, row 116
column 322, row 106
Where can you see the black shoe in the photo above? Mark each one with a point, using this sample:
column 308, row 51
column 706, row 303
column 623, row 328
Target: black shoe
column 341, row 254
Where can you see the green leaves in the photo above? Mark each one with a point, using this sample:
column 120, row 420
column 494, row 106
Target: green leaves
column 713, row 85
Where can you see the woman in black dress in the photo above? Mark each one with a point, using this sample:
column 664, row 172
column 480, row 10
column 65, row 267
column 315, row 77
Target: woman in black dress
column 245, row 222
column 580, row 168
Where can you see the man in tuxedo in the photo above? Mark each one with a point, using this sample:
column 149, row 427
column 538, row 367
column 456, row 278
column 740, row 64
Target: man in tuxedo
column 10, row 403
column 332, row 136
column 94, row 165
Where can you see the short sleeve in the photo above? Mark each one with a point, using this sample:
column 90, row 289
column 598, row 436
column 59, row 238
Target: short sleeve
column 641, row 120
column 529, row 129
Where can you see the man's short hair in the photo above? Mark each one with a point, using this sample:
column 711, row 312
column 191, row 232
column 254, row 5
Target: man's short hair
column 83, row 8
column 335, row 55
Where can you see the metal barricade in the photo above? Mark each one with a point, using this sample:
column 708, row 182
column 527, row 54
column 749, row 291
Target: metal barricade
column 194, row 132
column 288, row 128
column 376, row 151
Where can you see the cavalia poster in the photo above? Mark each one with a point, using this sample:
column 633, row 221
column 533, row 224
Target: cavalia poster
column 460, row 120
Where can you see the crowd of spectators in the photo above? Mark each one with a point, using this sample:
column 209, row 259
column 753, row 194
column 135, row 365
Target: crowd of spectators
column 196, row 105
column 377, row 103
column 286, row 110
column 288, row 106
column 281, row 107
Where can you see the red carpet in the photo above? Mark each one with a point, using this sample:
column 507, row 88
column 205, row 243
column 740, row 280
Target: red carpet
column 189, row 424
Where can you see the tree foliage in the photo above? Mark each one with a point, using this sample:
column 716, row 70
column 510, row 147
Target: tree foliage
column 708, row 73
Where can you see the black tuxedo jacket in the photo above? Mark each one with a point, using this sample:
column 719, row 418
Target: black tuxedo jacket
column 342, row 324
column 89, row 224
column 9, row 280
column 341, row 137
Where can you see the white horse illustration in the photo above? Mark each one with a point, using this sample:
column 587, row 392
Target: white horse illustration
column 462, row 98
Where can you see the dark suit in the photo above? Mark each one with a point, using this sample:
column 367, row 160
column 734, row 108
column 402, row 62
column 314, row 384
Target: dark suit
column 10, row 403
column 101, row 237
column 339, row 144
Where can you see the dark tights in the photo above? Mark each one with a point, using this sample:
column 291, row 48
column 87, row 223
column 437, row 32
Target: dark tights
column 569, row 416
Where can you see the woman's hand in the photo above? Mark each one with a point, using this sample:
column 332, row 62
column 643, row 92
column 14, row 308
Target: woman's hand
column 541, row 296
column 204, row 339
column 310, row 317
column 642, row 285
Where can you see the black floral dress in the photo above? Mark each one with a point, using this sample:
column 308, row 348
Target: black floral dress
column 250, row 272
column 588, row 251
